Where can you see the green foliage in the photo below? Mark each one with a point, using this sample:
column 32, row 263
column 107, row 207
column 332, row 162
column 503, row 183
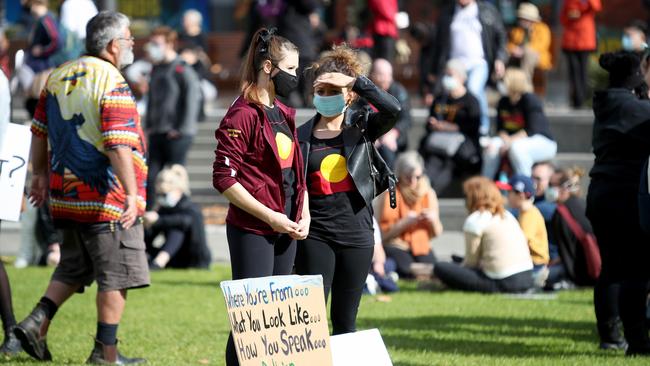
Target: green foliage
column 181, row 320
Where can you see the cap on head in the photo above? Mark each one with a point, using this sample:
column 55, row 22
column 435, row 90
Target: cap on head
column 522, row 184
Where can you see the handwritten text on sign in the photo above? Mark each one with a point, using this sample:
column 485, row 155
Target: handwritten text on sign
column 278, row 321
column 13, row 170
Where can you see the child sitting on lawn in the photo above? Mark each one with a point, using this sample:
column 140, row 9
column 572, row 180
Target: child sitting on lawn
column 521, row 197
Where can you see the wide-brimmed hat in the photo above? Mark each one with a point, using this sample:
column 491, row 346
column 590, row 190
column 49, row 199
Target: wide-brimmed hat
column 528, row 11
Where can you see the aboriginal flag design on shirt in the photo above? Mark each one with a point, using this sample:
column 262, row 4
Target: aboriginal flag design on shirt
column 285, row 143
column 327, row 168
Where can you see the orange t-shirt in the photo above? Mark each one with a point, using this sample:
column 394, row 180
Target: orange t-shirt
column 418, row 236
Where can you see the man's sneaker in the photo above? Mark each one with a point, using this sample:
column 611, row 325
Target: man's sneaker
column 31, row 338
column 109, row 355
column 11, row 345
column 621, row 345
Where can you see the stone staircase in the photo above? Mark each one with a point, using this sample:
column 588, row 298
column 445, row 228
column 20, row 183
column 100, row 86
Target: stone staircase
column 572, row 130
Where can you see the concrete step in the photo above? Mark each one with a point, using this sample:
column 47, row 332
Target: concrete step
column 572, row 129
column 451, row 242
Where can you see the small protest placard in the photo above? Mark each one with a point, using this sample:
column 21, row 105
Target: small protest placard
column 360, row 348
column 13, row 169
column 278, row 320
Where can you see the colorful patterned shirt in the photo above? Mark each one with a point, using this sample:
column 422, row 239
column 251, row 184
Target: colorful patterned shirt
column 85, row 109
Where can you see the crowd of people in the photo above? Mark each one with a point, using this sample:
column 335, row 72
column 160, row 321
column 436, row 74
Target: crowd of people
column 341, row 195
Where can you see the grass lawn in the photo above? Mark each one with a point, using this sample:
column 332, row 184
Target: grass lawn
column 181, row 320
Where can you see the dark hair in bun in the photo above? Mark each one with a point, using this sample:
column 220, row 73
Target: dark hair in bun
column 624, row 69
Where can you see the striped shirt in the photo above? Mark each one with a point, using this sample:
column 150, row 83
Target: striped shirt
column 85, row 109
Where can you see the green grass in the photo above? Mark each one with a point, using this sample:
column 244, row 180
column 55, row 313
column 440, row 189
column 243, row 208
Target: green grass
column 181, row 320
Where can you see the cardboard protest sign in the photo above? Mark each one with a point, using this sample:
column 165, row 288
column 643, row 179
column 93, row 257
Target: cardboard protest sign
column 360, row 348
column 13, row 169
column 279, row 321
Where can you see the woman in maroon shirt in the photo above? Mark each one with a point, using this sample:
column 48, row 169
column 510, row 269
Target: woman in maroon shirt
column 258, row 166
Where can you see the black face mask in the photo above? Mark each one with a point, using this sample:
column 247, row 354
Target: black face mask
column 284, row 83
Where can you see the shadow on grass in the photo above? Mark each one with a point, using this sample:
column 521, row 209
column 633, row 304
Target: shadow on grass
column 490, row 335
column 184, row 282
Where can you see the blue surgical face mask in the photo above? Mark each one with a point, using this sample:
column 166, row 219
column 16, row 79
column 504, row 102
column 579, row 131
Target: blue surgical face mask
column 449, row 83
column 552, row 194
column 626, row 43
column 329, row 106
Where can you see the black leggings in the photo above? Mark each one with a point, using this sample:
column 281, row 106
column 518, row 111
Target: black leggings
column 344, row 270
column 469, row 279
column 404, row 259
column 622, row 288
column 253, row 255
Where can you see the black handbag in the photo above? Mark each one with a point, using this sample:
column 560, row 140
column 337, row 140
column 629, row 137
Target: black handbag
column 382, row 175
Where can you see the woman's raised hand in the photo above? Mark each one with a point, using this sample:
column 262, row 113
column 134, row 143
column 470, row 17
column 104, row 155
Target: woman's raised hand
column 336, row 79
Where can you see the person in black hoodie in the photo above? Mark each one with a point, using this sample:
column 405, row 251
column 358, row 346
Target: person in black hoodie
column 180, row 221
column 621, row 144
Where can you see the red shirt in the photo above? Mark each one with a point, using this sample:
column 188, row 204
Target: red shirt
column 579, row 20
column 383, row 17
column 247, row 153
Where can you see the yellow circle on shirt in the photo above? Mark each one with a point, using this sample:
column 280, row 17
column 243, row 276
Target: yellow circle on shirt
column 334, row 168
column 284, row 144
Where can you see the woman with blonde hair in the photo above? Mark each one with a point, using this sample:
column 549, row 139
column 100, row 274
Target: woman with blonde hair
column 524, row 135
column 179, row 220
column 337, row 146
column 408, row 229
column 497, row 258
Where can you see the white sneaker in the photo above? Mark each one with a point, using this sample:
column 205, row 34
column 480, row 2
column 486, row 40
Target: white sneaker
column 21, row 263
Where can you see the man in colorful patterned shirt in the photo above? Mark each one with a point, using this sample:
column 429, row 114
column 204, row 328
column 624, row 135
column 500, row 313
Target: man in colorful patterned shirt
column 95, row 175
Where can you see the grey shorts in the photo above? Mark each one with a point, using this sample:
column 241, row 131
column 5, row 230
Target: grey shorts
column 115, row 259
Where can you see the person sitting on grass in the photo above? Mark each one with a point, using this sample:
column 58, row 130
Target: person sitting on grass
column 408, row 229
column 520, row 197
column 564, row 188
column 496, row 255
column 180, row 221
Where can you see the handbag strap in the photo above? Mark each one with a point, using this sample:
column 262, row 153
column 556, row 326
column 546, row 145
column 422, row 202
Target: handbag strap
column 577, row 230
column 392, row 180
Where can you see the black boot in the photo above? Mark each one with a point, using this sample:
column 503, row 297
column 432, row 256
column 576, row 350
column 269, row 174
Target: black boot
column 109, row 355
column 610, row 335
column 639, row 341
column 11, row 345
column 31, row 334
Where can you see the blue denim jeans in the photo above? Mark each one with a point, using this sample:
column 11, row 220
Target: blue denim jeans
column 523, row 153
column 477, row 78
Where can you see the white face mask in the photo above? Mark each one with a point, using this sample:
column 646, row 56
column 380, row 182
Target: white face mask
column 126, row 57
column 170, row 199
column 155, row 52
column 551, row 194
column 449, row 83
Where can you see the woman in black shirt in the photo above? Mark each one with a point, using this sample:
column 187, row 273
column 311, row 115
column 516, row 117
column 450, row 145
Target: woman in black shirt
column 336, row 147
column 524, row 135
column 450, row 148
column 621, row 144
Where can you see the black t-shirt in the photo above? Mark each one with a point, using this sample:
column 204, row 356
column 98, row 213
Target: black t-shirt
column 285, row 144
column 464, row 111
column 527, row 114
column 338, row 212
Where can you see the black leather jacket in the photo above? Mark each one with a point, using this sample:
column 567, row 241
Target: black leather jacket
column 355, row 127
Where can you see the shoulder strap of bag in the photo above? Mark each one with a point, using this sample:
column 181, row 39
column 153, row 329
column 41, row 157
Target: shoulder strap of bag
column 575, row 228
column 392, row 180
